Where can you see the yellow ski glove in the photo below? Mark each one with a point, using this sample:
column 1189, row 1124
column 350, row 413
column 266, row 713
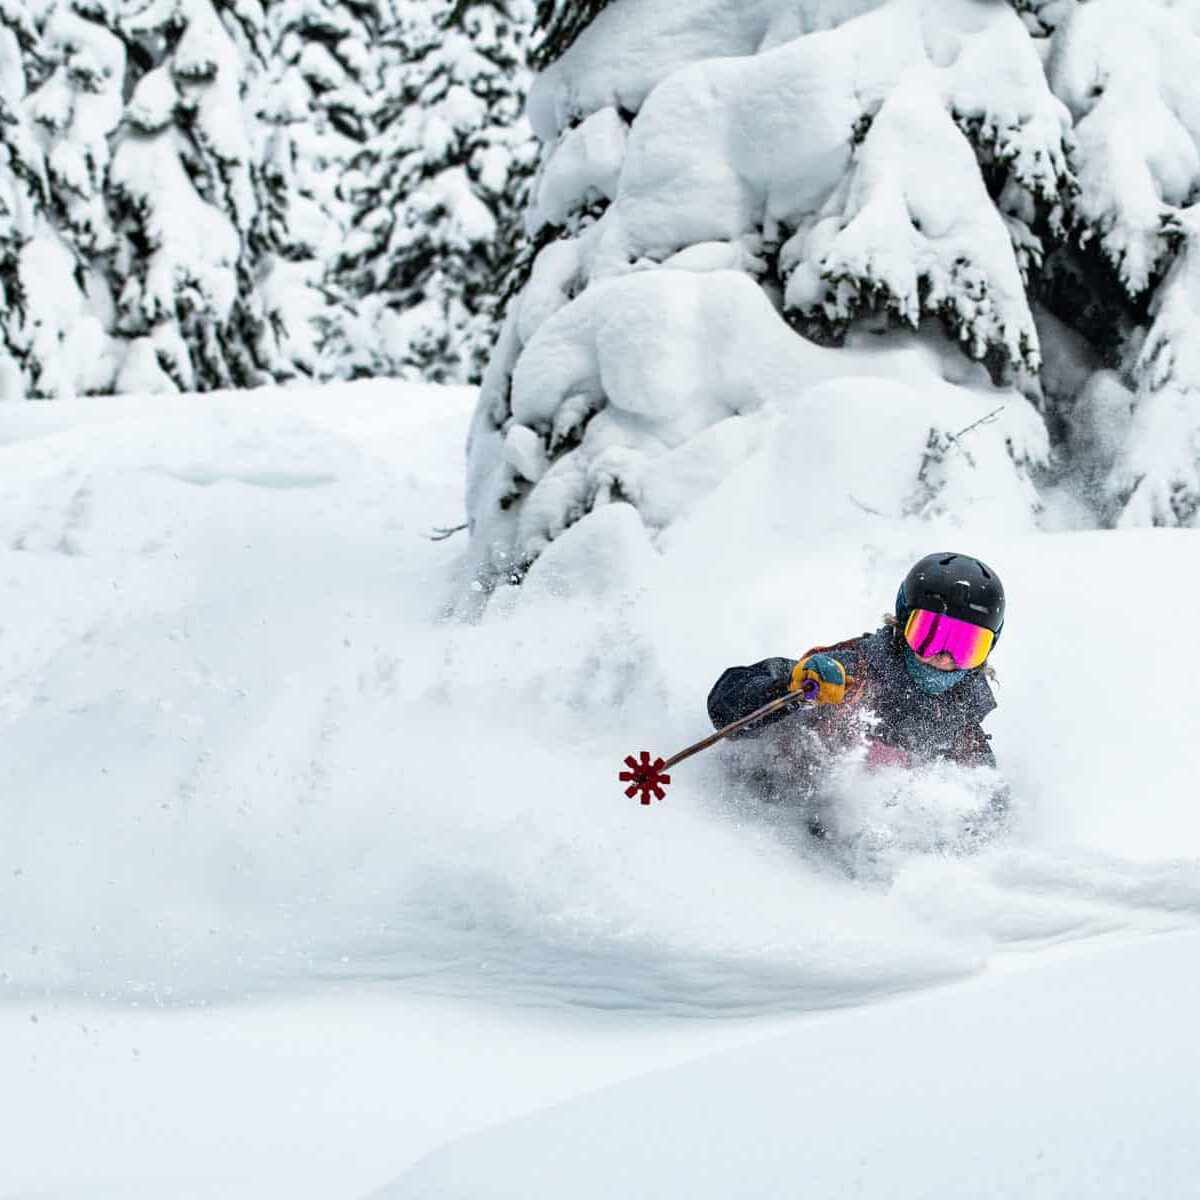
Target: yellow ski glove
column 822, row 677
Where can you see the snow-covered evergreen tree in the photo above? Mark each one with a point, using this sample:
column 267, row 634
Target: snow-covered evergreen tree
column 1128, row 76
column 981, row 175
column 62, row 79
column 75, row 111
column 196, row 234
column 868, row 164
column 561, row 22
column 22, row 193
column 319, row 98
column 441, row 191
column 140, row 194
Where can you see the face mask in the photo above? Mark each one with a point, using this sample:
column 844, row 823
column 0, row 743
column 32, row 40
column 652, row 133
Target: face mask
column 929, row 679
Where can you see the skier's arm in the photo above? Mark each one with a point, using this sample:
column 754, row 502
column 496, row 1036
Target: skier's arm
column 741, row 690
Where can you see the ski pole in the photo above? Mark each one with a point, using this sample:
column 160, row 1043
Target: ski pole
column 648, row 776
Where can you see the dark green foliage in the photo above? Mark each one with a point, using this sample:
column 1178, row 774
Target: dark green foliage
column 440, row 191
column 560, row 22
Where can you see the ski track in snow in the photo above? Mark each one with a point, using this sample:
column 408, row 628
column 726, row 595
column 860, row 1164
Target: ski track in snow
column 235, row 720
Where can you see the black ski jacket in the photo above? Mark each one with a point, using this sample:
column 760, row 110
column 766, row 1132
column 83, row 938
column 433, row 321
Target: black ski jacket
column 924, row 727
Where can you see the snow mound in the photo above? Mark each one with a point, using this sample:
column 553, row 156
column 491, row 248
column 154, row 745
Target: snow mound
column 632, row 45
column 861, row 1104
column 652, row 387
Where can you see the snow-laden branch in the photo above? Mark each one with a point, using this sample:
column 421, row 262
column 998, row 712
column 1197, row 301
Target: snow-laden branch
column 1156, row 478
column 1128, row 74
column 911, row 229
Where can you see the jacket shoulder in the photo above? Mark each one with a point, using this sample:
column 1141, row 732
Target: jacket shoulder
column 981, row 697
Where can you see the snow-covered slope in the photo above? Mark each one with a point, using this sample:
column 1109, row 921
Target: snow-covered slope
column 242, row 753
column 1078, row 1081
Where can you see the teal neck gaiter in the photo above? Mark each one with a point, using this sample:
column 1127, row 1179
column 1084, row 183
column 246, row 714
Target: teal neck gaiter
column 929, row 679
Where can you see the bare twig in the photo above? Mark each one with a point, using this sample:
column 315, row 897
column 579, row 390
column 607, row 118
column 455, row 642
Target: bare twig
column 984, row 420
column 872, row 512
column 440, row 534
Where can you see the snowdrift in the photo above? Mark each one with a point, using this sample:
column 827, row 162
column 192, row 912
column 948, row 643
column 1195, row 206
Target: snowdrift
column 1036, row 1083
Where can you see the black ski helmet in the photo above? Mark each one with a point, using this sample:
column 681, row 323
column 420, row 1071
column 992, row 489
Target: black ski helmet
column 957, row 585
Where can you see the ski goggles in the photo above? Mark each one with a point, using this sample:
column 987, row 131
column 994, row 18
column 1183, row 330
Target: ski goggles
column 930, row 633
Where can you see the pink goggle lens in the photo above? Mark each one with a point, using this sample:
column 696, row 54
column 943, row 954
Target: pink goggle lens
column 930, row 633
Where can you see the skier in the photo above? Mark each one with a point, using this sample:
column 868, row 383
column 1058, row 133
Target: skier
column 915, row 691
